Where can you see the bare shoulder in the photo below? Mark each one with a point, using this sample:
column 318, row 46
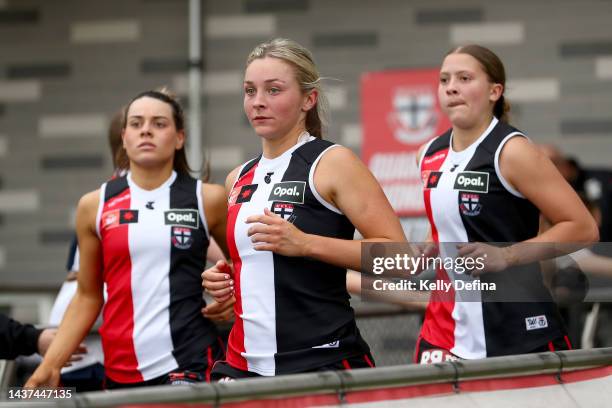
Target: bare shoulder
column 213, row 192
column 87, row 210
column 520, row 150
column 90, row 201
column 231, row 177
column 420, row 153
column 339, row 157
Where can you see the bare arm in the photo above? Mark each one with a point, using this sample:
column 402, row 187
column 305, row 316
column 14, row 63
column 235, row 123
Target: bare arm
column 87, row 302
column 215, row 207
column 217, row 280
column 536, row 178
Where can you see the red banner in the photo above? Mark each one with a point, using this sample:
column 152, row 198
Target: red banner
column 400, row 112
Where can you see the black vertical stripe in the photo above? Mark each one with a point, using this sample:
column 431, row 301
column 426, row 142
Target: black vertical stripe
column 312, row 304
column 505, row 219
column 115, row 187
column 191, row 332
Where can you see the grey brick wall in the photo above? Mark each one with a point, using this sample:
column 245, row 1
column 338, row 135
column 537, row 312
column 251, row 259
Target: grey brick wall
column 66, row 61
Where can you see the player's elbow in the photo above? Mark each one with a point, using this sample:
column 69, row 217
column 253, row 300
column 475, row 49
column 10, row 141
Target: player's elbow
column 589, row 232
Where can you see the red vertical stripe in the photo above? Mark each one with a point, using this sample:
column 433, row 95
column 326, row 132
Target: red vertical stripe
column 346, row 364
column 368, row 361
column 235, row 343
column 439, row 325
column 567, row 341
column 120, row 361
column 210, row 362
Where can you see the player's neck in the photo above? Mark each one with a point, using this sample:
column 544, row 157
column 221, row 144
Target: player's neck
column 464, row 137
column 274, row 147
column 150, row 178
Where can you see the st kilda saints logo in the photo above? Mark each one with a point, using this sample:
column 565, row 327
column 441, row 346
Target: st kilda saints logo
column 183, row 223
column 182, row 218
column 288, row 192
column 469, row 204
column 472, row 181
column 284, row 210
column 181, row 237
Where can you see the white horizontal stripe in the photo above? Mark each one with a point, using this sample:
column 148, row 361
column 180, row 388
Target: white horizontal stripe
column 533, row 90
column 603, row 67
column 86, row 124
column 17, row 201
column 225, row 157
column 20, row 90
column 351, row 135
column 3, row 146
column 337, row 97
column 105, row 31
column 213, row 83
column 263, row 25
column 2, row 257
column 487, row 33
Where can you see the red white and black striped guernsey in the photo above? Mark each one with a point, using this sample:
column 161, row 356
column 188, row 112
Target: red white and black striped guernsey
column 154, row 250
column 468, row 200
column 292, row 314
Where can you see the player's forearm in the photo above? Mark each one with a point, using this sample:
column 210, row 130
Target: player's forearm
column 78, row 320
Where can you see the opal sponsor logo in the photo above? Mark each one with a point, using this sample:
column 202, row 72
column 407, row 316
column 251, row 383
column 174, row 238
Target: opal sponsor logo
column 472, row 181
column 182, row 218
column 288, row 192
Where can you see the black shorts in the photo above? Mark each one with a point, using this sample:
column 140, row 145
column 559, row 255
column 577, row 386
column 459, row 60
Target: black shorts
column 427, row 353
column 193, row 373
column 222, row 371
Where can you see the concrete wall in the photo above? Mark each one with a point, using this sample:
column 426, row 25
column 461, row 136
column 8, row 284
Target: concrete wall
column 67, row 65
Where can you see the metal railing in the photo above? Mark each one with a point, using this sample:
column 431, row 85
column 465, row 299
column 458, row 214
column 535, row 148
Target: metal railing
column 339, row 383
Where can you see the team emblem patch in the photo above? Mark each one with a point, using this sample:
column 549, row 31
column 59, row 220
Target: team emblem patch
column 181, row 237
column 284, row 210
column 114, row 218
column 433, row 179
column 128, row 216
column 470, row 204
column 242, row 194
column 472, row 181
column 288, row 192
column 182, row 218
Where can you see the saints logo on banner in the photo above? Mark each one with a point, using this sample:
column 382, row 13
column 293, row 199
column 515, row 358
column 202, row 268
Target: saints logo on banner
column 414, row 117
column 400, row 113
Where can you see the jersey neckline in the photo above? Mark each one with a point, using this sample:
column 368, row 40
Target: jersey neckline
column 132, row 184
column 304, row 138
column 468, row 151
